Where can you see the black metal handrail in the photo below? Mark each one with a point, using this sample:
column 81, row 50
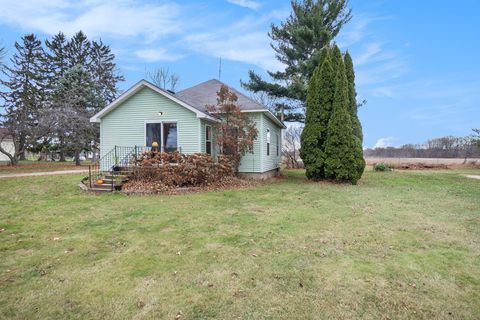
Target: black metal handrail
column 117, row 163
column 113, row 164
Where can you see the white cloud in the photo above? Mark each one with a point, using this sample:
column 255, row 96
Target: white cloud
column 372, row 49
column 95, row 18
column 154, row 55
column 254, row 5
column 385, row 142
column 252, row 47
column 356, row 30
column 246, row 40
column 152, row 31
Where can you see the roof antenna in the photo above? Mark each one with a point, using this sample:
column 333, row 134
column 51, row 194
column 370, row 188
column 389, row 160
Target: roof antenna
column 220, row 68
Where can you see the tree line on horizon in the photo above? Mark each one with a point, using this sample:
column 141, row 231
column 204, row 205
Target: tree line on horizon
column 443, row 147
column 50, row 90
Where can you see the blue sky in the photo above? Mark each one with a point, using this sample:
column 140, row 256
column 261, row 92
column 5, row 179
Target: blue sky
column 416, row 61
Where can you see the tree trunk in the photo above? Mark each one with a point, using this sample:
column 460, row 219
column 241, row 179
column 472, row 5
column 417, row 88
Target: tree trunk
column 21, row 143
column 77, row 158
column 62, row 152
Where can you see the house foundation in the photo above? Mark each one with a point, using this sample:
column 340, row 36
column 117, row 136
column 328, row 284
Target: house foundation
column 260, row 175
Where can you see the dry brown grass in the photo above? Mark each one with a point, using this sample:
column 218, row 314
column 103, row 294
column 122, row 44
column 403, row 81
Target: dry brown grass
column 425, row 163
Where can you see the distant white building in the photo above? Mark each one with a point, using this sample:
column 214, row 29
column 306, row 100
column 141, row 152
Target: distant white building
column 7, row 144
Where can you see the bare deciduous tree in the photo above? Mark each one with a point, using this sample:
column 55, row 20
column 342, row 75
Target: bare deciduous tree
column 291, row 147
column 161, row 77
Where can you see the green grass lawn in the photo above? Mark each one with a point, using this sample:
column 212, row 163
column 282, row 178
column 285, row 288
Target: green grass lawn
column 400, row 245
column 26, row 166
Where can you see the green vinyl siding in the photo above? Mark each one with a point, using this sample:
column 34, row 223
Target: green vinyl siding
column 252, row 162
column 125, row 125
column 271, row 161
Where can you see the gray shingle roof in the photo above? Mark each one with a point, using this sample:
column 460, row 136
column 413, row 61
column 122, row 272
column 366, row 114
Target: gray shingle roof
column 205, row 93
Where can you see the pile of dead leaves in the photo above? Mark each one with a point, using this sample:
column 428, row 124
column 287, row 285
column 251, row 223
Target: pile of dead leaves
column 157, row 187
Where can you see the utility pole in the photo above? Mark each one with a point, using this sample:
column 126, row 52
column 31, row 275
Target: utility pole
column 220, row 69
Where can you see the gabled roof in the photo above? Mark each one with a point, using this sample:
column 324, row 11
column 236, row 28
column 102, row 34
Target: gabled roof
column 137, row 87
column 205, row 94
column 196, row 99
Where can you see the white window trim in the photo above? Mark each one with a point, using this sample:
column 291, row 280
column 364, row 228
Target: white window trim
column 161, row 122
column 277, row 145
column 268, row 138
column 209, row 140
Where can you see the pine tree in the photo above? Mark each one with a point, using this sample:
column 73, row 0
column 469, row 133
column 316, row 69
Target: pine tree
column 310, row 151
column 24, row 98
column 340, row 151
column 326, row 87
column 356, row 125
column 75, row 99
column 78, row 51
column 57, row 64
column 297, row 42
column 104, row 71
column 57, row 57
column 318, row 109
column 352, row 96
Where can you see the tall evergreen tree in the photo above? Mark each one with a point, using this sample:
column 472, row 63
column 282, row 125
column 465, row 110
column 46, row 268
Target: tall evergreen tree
column 57, row 57
column 340, row 151
column 326, row 87
column 75, row 99
column 58, row 63
column 104, row 71
column 310, row 151
column 78, row 51
column 24, row 96
column 297, row 42
column 353, row 110
column 352, row 96
column 318, row 109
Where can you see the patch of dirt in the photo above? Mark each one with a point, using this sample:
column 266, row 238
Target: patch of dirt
column 420, row 166
column 471, row 176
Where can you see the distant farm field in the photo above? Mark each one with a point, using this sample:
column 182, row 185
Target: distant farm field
column 453, row 162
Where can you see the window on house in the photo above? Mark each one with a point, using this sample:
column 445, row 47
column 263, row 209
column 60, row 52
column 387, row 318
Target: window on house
column 163, row 133
column 169, row 136
column 268, row 142
column 278, row 144
column 153, row 133
column 208, row 139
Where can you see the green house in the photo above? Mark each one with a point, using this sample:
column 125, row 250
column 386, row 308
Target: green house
column 180, row 121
